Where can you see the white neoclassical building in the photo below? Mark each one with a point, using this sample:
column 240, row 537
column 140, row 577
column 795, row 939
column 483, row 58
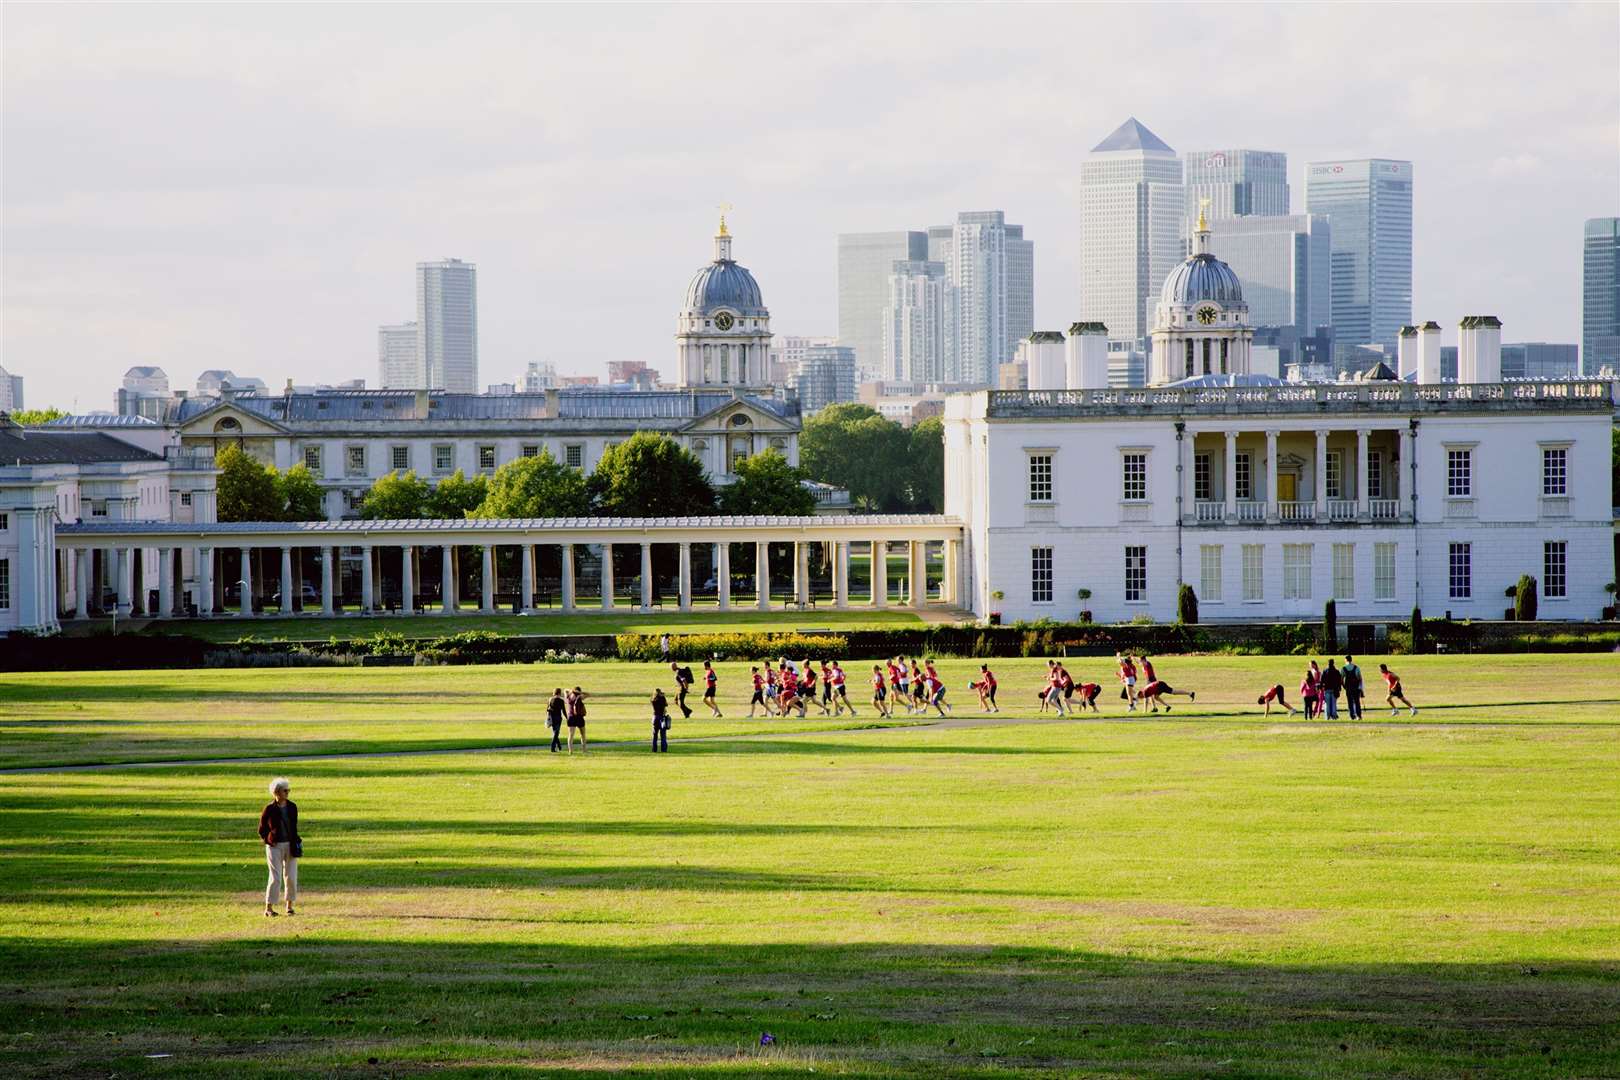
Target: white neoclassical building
column 1269, row 498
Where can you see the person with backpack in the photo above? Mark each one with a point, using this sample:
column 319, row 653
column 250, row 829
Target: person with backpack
column 555, row 708
column 683, row 683
column 1353, row 688
column 1332, row 682
column 660, row 722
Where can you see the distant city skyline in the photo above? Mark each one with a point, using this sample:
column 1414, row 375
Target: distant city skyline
column 264, row 224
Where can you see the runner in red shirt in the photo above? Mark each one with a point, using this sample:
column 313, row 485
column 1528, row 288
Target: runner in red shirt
column 807, row 689
column 878, row 692
column 759, row 694
column 1392, row 682
column 1054, row 689
column 1127, row 675
column 986, row 686
column 840, row 696
column 787, row 696
column 1088, row 695
column 1156, row 691
column 1275, row 694
column 709, row 680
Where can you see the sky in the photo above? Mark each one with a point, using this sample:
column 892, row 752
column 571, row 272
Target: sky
column 250, row 187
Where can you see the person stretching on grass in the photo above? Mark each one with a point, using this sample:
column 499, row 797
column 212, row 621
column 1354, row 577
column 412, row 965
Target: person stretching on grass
column 576, row 719
column 986, row 686
column 1089, row 692
column 1275, row 694
column 709, row 681
column 1156, row 691
column 278, row 828
column 1127, row 676
column 554, row 718
column 879, row 694
column 660, row 718
column 1393, row 682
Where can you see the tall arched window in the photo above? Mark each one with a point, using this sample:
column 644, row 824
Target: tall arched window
column 725, row 363
column 1189, row 372
column 708, row 362
column 1224, row 344
column 1206, row 356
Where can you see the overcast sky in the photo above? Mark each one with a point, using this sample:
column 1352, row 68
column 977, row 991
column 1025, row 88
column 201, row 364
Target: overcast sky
column 251, row 187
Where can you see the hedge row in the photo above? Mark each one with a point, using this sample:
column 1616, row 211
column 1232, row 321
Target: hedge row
column 694, row 647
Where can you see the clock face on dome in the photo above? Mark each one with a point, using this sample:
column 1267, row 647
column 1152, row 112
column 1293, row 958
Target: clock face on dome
column 1206, row 315
column 723, row 320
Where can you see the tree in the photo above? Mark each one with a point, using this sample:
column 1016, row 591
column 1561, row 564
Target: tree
column 1524, row 600
column 535, row 487
column 927, row 457
column 301, row 496
column 32, row 417
column 650, row 475
column 852, row 446
column 456, row 496
column 767, row 484
column 1417, row 629
column 1330, row 624
column 247, row 489
column 1187, row 605
column 395, row 496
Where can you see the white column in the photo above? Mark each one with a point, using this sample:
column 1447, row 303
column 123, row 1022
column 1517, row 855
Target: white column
column 646, row 576
column 526, row 576
column 486, row 581
column 407, row 582
column 1272, row 510
column 246, row 606
column 1363, row 503
column 840, row 565
column 447, row 579
column 82, row 583
column 365, row 580
column 722, row 574
column 328, row 600
column 686, row 576
column 165, row 583
column 568, row 577
column 762, row 574
column 205, row 582
column 1403, row 475
column 801, row 572
column 950, row 557
column 607, row 577
column 126, row 579
column 880, row 573
column 1321, row 475
column 286, row 581
column 918, row 572
column 1230, row 477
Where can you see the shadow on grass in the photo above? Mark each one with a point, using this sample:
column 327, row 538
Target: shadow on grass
column 288, row 1001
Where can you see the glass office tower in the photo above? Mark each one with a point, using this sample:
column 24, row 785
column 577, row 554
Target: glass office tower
column 1368, row 203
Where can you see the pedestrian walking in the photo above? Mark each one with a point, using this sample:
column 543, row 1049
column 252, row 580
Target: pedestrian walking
column 663, row 647
column 278, row 829
column 555, row 708
column 660, row 722
column 1275, row 694
column 1353, row 687
column 683, row 683
column 709, row 681
column 1332, row 683
column 576, row 718
column 1309, row 690
column 1393, row 682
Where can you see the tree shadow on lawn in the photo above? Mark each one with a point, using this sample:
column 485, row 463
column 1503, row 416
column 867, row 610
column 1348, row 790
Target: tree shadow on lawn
column 312, row 1004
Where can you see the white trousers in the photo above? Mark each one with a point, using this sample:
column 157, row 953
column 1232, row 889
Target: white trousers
column 283, row 873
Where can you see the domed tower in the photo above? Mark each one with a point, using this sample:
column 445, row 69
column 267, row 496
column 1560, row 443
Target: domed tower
column 723, row 334
column 1201, row 325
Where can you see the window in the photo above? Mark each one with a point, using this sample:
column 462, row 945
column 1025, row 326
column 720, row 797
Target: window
column 1135, row 477
column 356, row 461
column 1344, row 571
column 1335, row 474
column 444, row 457
column 1135, row 575
column 1209, row 573
column 1459, row 473
column 1040, row 575
column 1555, row 470
column 5, row 522
column 5, row 584
column 1244, row 482
column 1040, row 478
column 312, row 459
column 1462, row 571
column 1383, row 571
column 1201, row 477
column 98, row 508
column 1375, row 476
column 574, row 455
column 1254, row 573
column 530, row 450
column 185, row 498
column 399, row 458
column 486, row 459
column 1554, row 569
column 1297, row 571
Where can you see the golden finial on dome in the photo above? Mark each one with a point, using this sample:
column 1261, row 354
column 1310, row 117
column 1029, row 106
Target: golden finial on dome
column 1203, row 205
column 723, row 208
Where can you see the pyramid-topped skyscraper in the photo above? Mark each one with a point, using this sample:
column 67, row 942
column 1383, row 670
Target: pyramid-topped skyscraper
column 1130, row 228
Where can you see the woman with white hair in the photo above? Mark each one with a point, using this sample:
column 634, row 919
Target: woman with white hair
column 278, row 828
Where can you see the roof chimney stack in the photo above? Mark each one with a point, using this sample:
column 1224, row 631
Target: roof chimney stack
column 1406, row 349
column 1479, row 349
column 1043, row 354
column 1428, row 353
column 1088, row 356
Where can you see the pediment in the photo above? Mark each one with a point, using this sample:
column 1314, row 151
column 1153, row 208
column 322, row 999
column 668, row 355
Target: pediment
column 247, row 423
column 721, row 420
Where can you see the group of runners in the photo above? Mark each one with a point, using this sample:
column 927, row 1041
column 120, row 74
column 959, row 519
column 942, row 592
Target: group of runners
column 1320, row 689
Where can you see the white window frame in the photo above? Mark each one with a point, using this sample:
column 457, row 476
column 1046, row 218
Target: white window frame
column 185, row 500
column 1243, row 480
column 1375, row 475
column 1460, row 570
column 1555, row 479
column 1460, row 470
column 1210, row 589
column 394, row 453
column 1555, row 572
column 1335, row 474
column 1129, row 457
column 530, row 450
column 1203, row 481
column 312, row 459
column 1344, row 571
column 574, row 455
column 1296, row 567
column 1384, row 587
column 5, row 584
column 486, row 453
column 1136, row 566
column 448, row 453
column 349, row 452
column 1040, row 575
column 1041, row 490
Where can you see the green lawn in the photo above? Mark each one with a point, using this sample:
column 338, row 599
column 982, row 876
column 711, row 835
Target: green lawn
column 1208, row 894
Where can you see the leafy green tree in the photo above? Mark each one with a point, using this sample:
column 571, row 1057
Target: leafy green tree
column 650, row 475
column 927, row 457
column 456, row 496
column 247, row 489
column 301, row 496
column 852, row 446
column 396, row 497
column 535, row 487
column 767, row 484
column 29, row 417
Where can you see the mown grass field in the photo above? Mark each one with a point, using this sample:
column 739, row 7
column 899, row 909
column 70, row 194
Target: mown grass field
column 1208, row 894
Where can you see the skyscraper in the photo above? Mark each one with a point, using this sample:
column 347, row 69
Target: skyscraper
column 1369, row 206
column 1600, row 296
column 864, row 264
column 447, row 325
column 919, row 322
column 1237, row 183
column 396, row 358
column 826, row 375
column 1020, row 291
column 1131, row 202
column 1283, row 262
column 978, row 270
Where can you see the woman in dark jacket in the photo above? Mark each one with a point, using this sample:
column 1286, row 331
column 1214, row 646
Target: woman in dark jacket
column 278, row 828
